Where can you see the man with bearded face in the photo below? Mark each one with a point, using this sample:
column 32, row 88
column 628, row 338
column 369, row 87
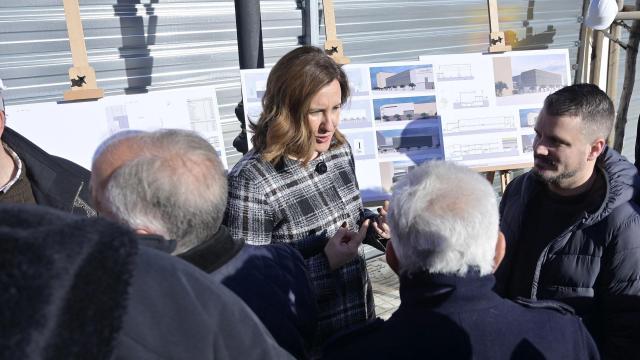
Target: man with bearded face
column 572, row 224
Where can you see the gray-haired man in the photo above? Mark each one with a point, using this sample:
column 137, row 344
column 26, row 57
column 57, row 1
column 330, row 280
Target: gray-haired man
column 171, row 188
column 446, row 245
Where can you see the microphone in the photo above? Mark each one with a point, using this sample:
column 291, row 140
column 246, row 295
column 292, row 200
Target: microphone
column 321, row 168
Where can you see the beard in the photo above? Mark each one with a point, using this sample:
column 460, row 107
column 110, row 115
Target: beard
column 556, row 179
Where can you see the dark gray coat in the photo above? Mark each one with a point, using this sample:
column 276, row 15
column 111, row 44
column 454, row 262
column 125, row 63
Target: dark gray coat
column 451, row 317
column 271, row 279
column 81, row 288
column 594, row 265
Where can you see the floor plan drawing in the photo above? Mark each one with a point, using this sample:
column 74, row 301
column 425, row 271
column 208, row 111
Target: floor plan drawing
column 454, row 72
column 470, row 99
column 482, row 148
column 478, row 124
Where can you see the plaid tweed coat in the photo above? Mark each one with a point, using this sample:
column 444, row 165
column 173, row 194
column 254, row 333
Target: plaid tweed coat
column 294, row 204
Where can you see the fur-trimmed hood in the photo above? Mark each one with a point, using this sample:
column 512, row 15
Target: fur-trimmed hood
column 63, row 283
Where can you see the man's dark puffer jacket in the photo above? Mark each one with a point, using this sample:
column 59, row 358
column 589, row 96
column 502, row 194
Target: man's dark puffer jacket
column 594, row 265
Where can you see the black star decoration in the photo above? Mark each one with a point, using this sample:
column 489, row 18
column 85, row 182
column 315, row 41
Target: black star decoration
column 333, row 50
column 78, row 81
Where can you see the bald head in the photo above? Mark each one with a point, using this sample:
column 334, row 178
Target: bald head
column 114, row 152
column 168, row 182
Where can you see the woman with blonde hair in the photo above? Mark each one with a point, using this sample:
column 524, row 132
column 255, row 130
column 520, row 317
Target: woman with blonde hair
column 298, row 186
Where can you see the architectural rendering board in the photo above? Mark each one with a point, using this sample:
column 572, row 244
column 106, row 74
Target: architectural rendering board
column 405, row 108
column 189, row 108
column 488, row 104
column 363, row 144
column 475, row 109
column 526, row 79
column 256, row 83
column 359, row 83
column 401, row 78
column 453, row 72
column 528, row 117
column 478, row 124
column 356, row 113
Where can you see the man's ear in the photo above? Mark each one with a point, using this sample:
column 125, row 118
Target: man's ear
column 501, row 247
column 597, row 146
column 392, row 260
column 143, row 232
column 3, row 119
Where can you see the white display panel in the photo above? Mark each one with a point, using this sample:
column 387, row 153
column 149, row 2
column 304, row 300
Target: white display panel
column 74, row 130
column 474, row 109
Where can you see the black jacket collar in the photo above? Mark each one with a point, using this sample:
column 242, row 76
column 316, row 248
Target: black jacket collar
column 214, row 252
column 446, row 292
column 157, row 242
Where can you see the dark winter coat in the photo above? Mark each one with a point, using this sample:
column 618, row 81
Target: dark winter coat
column 594, row 265
column 272, row 280
column 78, row 288
column 450, row 317
column 55, row 182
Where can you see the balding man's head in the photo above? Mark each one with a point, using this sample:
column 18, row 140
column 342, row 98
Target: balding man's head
column 112, row 153
column 167, row 182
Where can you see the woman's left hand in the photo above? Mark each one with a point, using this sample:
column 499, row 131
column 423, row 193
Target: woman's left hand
column 381, row 227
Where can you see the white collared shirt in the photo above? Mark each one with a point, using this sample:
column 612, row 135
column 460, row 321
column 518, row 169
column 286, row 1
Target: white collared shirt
column 16, row 160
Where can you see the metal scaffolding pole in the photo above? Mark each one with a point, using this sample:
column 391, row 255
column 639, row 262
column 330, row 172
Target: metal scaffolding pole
column 250, row 53
column 310, row 22
column 249, row 30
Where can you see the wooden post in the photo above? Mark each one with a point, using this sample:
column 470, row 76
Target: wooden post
column 627, row 86
column 497, row 41
column 505, row 172
column 584, row 51
column 596, row 58
column 490, row 176
column 505, row 179
column 81, row 75
column 613, row 66
column 588, row 59
column 332, row 45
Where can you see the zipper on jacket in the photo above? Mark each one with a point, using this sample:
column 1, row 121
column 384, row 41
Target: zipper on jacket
column 543, row 256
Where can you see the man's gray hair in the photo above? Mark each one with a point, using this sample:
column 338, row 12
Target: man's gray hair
column 444, row 219
column 114, row 139
column 176, row 188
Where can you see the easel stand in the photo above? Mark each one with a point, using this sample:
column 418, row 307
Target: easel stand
column 497, row 44
column 332, row 45
column 81, row 75
column 504, row 171
column 497, row 41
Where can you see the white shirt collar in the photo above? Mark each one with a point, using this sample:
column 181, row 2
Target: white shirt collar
column 16, row 160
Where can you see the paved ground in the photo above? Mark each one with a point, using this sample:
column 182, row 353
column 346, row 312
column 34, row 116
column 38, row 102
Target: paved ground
column 385, row 287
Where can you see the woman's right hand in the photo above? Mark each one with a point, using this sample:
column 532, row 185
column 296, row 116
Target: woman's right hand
column 343, row 246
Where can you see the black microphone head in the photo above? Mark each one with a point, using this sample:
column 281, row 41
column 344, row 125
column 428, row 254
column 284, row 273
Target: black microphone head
column 321, row 168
